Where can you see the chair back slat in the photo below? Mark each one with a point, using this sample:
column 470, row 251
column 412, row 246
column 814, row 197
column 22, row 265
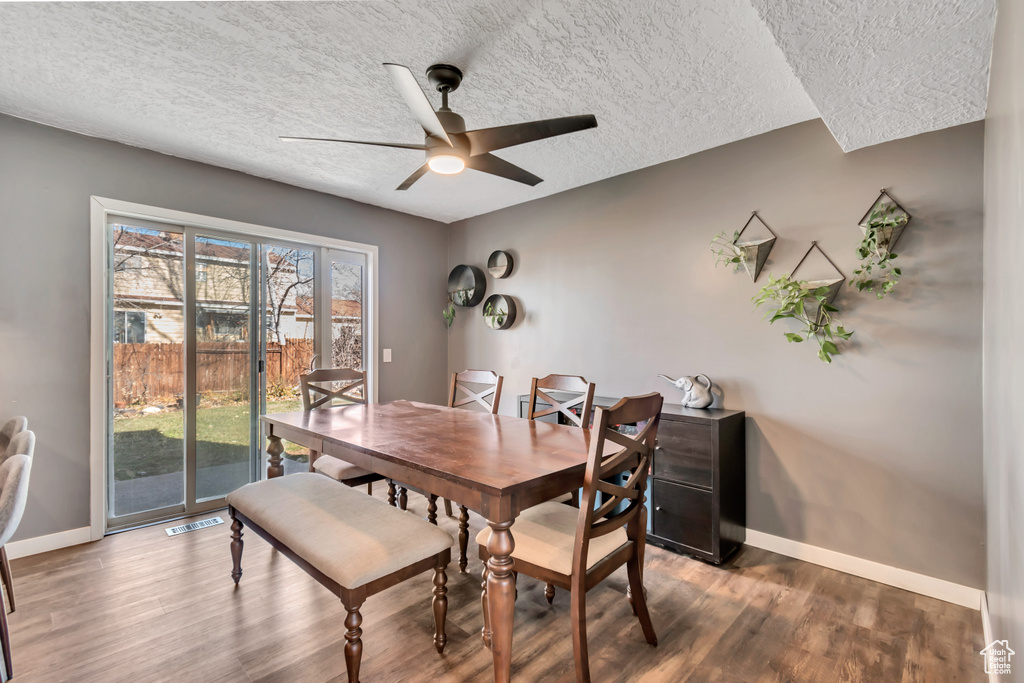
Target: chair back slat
column 633, row 456
column 584, row 398
column 475, row 377
column 326, row 394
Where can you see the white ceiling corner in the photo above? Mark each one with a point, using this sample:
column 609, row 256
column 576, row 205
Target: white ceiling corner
column 218, row 82
column 887, row 69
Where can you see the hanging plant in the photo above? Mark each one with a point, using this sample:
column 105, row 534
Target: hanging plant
column 799, row 300
column 728, row 253
column 882, row 227
column 449, row 311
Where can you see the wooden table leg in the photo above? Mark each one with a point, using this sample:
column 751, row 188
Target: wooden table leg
column 501, row 598
column 274, row 449
column 313, row 455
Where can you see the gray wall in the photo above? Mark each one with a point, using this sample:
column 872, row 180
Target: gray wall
column 1004, row 321
column 877, row 455
column 46, row 179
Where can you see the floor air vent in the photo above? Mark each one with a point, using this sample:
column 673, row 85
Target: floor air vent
column 192, row 526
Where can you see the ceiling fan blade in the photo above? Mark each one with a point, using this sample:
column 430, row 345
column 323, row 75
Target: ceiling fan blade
column 416, row 175
column 410, row 91
column 488, row 163
column 489, row 139
column 400, row 145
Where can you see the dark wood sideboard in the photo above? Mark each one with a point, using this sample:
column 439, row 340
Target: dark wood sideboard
column 697, row 494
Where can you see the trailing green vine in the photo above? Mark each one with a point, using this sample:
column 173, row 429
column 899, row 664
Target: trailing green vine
column 727, row 252
column 795, row 299
column 877, row 273
column 449, row 311
column 495, row 316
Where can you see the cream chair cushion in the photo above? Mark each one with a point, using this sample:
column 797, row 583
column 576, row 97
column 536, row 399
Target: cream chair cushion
column 338, row 469
column 349, row 536
column 544, row 535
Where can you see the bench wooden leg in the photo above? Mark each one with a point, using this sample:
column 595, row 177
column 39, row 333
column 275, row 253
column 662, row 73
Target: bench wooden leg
column 236, row 547
column 391, row 493
column 403, row 498
column 440, row 605
column 432, row 509
column 463, row 537
column 549, row 592
column 353, row 642
column 448, row 507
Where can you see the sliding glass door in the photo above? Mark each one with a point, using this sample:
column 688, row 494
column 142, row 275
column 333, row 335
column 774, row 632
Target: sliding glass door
column 207, row 331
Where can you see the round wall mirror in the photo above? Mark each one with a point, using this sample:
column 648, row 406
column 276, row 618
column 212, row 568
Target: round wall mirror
column 500, row 264
column 466, row 285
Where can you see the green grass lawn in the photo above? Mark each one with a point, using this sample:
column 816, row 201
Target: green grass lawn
column 147, row 445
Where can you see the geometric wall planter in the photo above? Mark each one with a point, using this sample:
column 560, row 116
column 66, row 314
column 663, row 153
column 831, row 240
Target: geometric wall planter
column 499, row 312
column 890, row 234
column 466, row 285
column 833, row 283
column 755, row 249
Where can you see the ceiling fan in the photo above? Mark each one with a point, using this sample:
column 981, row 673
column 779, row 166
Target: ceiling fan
column 449, row 147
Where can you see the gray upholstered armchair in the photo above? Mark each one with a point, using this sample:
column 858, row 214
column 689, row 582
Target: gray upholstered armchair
column 14, row 426
column 14, row 473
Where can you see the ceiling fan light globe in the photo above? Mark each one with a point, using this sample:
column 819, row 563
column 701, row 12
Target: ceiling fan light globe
column 446, row 164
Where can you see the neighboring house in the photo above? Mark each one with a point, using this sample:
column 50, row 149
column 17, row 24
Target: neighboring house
column 148, row 291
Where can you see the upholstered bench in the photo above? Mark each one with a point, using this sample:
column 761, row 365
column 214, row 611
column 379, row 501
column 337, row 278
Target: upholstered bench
column 350, row 542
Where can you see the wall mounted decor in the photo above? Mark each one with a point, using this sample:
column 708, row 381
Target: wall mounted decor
column 810, row 303
column 466, row 285
column 882, row 226
column 696, row 393
column 500, row 264
column 750, row 253
column 499, row 311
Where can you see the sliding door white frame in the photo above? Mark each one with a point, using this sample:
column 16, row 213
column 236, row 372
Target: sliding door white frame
column 100, row 211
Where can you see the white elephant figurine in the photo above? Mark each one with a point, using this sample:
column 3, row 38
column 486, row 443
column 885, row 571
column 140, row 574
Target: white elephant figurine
column 695, row 394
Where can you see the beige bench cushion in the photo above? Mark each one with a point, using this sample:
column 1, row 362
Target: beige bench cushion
column 338, row 469
column 349, row 536
column 544, row 535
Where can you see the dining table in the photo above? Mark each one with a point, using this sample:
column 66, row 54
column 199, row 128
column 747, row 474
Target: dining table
column 495, row 465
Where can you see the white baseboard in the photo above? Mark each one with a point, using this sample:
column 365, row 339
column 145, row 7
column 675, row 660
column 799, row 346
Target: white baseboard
column 43, row 544
column 875, row 571
column 986, row 629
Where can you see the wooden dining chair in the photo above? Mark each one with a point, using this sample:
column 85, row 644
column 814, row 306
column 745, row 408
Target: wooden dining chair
column 318, row 391
column 459, row 394
column 577, row 549
column 583, row 397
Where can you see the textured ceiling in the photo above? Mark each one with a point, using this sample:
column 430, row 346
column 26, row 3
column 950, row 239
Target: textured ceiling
column 900, row 69
column 218, row 82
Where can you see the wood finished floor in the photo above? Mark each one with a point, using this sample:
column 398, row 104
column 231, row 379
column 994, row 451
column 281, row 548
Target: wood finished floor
column 141, row 606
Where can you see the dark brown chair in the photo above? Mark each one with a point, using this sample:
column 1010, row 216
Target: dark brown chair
column 583, row 396
column 577, row 549
column 315, row 396
column 582, row 399
column 492, row 382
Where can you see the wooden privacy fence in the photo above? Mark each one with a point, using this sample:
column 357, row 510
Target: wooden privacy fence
column 154, row 373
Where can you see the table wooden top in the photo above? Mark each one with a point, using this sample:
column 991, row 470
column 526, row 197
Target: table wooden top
column 493, row 454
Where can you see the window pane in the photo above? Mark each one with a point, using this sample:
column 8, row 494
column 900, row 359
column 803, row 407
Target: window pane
column 223, row 366
column 290, row 344
column 347, row 315
column 147, row 453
